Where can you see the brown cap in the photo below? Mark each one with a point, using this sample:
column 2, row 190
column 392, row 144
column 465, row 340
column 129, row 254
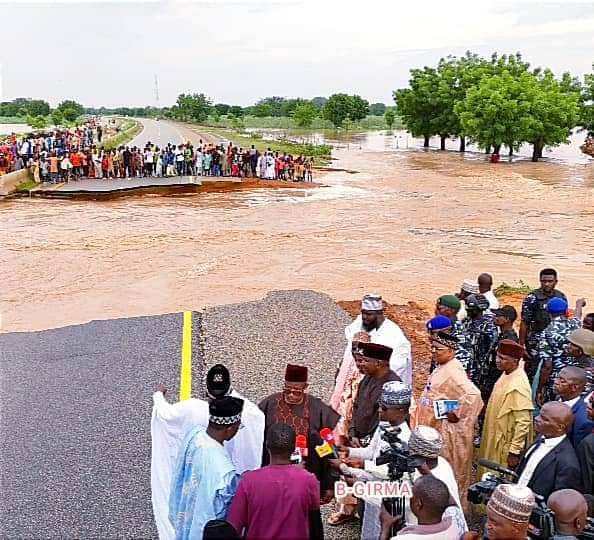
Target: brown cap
column 512, row 502
column 508, row 347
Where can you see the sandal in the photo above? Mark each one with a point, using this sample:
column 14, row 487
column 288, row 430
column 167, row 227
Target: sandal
column 338, row 518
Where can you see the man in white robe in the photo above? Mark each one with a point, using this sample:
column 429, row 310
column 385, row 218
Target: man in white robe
column 382, row 331
column 270, row 172
column 171, row 422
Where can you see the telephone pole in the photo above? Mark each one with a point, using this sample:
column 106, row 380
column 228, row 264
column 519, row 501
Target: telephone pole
column 156, row 92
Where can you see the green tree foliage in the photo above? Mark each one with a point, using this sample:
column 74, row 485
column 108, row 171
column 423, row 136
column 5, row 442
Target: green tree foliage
column 70, row 105
column 304, row 114
column 222, row 108
column 340, row 107
column 237, row 111
column 56, row 118
column 70, row 114
column 195, row 107
column 389, row 117
column 337, row 109
column 587, row 103
column 37, row 122
column 377, row 109
column 418, row 105
column 24, row 107
column 262, row 109
column 319, row 102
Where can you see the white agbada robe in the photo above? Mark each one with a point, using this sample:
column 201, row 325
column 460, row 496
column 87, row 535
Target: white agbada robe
column 390, row 335
column 170, row 423
column 270, row 168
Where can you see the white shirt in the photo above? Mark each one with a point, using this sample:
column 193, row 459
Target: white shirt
column 390, row 335
column 536, row 456
column 571, row 402
column 493, row 302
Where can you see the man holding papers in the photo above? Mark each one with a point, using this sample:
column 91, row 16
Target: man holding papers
column 447, row 385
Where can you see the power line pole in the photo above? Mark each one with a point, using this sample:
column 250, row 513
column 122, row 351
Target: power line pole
column 156, row 92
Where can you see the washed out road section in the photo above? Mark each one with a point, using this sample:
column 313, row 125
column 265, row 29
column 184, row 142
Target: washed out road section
column 75, row 440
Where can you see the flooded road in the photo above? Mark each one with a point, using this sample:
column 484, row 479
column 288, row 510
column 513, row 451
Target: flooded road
column 410, row 225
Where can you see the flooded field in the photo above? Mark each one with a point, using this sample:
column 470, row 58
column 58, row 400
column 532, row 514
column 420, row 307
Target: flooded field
column 410, row 225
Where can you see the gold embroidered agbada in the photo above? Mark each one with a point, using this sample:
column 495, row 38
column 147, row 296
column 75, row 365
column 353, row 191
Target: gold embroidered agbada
column 449, row 381
column 508, row 420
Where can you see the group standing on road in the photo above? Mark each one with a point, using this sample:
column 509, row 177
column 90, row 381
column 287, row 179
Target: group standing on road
column 477, row 399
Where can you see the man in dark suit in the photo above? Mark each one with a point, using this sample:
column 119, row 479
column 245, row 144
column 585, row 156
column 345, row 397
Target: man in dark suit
column 569, row 386
column 550, row 463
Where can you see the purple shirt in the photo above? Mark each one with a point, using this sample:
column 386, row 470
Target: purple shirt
column 274, row 502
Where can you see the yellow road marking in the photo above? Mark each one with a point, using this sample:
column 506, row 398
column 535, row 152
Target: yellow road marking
column 185, row 385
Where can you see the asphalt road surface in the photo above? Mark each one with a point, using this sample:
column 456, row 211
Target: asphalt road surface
column 75, row 425
column 157, row 132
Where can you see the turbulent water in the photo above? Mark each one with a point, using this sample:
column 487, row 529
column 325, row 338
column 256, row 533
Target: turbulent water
column 410, row 225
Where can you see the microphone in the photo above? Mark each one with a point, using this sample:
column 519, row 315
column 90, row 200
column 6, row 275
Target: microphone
column 496, row 467
column 328, row 437
column 301, row 445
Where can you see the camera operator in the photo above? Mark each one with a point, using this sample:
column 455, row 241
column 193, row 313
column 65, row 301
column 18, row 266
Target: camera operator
column 430, row 499
column 550, row 463
column 393, row 412
column 571, row 513
column 426, row 443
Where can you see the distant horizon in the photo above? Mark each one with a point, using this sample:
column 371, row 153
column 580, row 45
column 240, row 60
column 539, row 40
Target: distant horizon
column 107, row 53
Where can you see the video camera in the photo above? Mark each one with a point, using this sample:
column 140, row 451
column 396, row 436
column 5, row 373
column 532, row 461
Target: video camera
column 397, row 456
column 399, row 461
column 542, row 519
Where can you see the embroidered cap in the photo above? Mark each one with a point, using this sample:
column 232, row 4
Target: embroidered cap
column 372, row 302
column 396, row 393
column 218, row 381
column 447, row 340
column 512, row 502
column 225, row 411
column 470, row 286
column 426, row 442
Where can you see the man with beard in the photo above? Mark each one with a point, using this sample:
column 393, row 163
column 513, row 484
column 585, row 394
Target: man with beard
column 535, row 317
column 307, row 415
column 382, row 330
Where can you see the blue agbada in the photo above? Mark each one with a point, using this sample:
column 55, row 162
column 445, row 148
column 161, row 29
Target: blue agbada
column 204, row 482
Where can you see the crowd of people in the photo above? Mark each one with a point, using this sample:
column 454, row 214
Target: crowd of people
column 228, row 468
column 34, row 150
column 71, row 154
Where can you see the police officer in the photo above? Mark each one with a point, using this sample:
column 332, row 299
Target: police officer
column 535, row 317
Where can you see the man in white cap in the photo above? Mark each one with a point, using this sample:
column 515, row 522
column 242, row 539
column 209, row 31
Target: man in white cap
column 170, row 423
column 508, row 512
column 382, row 331
column 469, row 286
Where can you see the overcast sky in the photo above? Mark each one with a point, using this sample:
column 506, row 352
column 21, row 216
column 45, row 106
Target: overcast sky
column 107, row 53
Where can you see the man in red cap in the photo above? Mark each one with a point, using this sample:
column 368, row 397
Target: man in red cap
column 307, row 415
column 508, row 420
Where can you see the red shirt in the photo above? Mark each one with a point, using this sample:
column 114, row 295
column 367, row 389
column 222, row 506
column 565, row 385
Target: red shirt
column 75, row 160
column 274, row 502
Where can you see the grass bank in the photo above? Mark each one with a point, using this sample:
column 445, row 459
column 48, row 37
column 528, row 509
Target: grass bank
column 130, row 129
column 321, row 152
column 509, row 290
column 286, row 122
column 13, row 120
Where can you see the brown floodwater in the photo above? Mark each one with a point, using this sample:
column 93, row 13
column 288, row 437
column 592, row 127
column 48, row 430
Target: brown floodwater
column 410, row 225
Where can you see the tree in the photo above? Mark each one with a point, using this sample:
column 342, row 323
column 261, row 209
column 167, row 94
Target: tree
column 587, row 103
column 419, row 105
column 262, row 110
column 319, row 102
column 337, row 109
column 222, row 108
column 304, row 114
column 237, row 111
column 377, row 109
column 358, row 108
column 274, row 105
column 37, row 122
column 70, row 114
column 389, row 117
column 38, row 107
column 194, row 107
column 497, row 111
column 56, row 118
column 554, row 112
column 73, row 106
